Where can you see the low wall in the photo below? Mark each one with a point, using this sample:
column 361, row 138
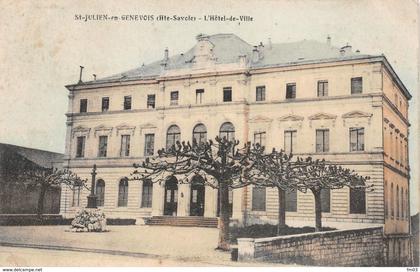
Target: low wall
column 360, row 247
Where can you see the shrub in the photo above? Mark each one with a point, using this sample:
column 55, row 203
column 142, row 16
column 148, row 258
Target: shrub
column 89, row 220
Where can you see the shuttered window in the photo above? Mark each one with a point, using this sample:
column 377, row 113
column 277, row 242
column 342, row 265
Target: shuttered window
column 100, row 193
column 322, row 140
column 356, row 85
column 258, row 198
column 123, row 193
column 326, row 200
column 291, row 201
column 357, row 201
column 147, row 194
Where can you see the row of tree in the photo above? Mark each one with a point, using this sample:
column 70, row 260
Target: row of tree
column 224, row 166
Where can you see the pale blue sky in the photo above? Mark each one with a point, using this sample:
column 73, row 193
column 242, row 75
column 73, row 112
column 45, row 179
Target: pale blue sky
column 42, row 46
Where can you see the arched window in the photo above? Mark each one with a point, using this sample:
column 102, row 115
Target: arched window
column 172, row 136
column 407, row 203
column 100, row 193
column 123, row 193
column 147, row 193
column 76, row 196
column 227, row 130
column 200, row 134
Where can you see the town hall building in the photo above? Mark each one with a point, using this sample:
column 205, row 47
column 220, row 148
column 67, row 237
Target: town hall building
column 309, row 98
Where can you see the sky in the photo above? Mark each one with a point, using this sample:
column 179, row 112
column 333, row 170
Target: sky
column 42, row 46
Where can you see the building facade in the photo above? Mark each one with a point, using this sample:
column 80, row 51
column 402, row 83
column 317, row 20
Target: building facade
column 309, row 98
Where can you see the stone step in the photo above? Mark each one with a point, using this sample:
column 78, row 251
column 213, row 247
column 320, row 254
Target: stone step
column 184, row 221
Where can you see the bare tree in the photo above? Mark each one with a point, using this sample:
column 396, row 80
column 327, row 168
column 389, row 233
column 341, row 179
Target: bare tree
column 315, row 175
column 221, row 164
column 274, row 169
column 46, row 178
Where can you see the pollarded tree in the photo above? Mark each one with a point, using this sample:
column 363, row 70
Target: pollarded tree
column 274, row 169
column 316, row 175
column 221, row 164
column 37, row 176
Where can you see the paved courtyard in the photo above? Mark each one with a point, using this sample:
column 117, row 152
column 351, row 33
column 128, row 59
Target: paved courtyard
column 143, row 245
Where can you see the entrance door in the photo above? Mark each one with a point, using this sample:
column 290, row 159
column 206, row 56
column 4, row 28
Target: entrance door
column 197, row 197
column 171, row 197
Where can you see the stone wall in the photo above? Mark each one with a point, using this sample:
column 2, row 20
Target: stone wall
column 360, row 247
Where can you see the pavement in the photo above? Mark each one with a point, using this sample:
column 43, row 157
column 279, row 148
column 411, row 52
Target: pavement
column 135, row 245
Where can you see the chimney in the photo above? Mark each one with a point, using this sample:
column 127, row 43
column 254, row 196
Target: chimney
column 242, row 60
column 81, row 72
column 94, row 77
column 269, row 45
column 328, row 40
column 255, row 54
column 260, row 51
column 347, row 50
column 166, row 55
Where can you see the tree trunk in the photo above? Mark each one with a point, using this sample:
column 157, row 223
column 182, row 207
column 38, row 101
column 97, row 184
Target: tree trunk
column 318, row 211
column 224, row 239
column 40, row 208
column 281, row 210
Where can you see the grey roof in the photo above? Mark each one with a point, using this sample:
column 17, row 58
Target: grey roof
column 228, row 48
column 40, row 157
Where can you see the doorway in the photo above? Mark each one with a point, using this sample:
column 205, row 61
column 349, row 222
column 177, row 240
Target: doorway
column 171, row 197
column 197, row 196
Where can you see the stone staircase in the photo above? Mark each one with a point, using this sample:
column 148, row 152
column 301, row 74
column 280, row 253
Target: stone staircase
column 183, row 221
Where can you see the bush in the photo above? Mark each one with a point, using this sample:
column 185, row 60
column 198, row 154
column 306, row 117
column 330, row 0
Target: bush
column 267, row 230
column 92, row 220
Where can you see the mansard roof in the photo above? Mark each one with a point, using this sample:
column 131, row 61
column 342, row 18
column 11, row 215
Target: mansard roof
column 211, row 52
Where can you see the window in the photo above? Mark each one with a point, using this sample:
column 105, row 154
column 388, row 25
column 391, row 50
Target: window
column 105, row 104
column 149, row 144
column 173, row 135
column 151, row 99
column 199, row 93
column 127, row 102
column 260, row 93
column 401, row 153
column 322, row 140
column 356, row 85
column 125, row 146
column 76, row 196
column 325, row 200
column 227, row 94
column 289, row 141
column 123, row 193
column 80, row 148
column 258, row 198
column 259, row 138
column 291, row 91
column 357, row 201
column 100, row 193
column 322, row 88
column 291, row 201
column 227, row 130
column 83, row 105
column 200, row 134
column 174, row 98
column 392, row 204
column 402, row 203
column 397, row 204
column 146, row 194
column 103, row 144
column 407, row 204
column 357, row 139
column 386, row 199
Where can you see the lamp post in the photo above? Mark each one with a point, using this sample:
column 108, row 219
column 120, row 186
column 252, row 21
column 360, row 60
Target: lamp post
column 92, row 197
